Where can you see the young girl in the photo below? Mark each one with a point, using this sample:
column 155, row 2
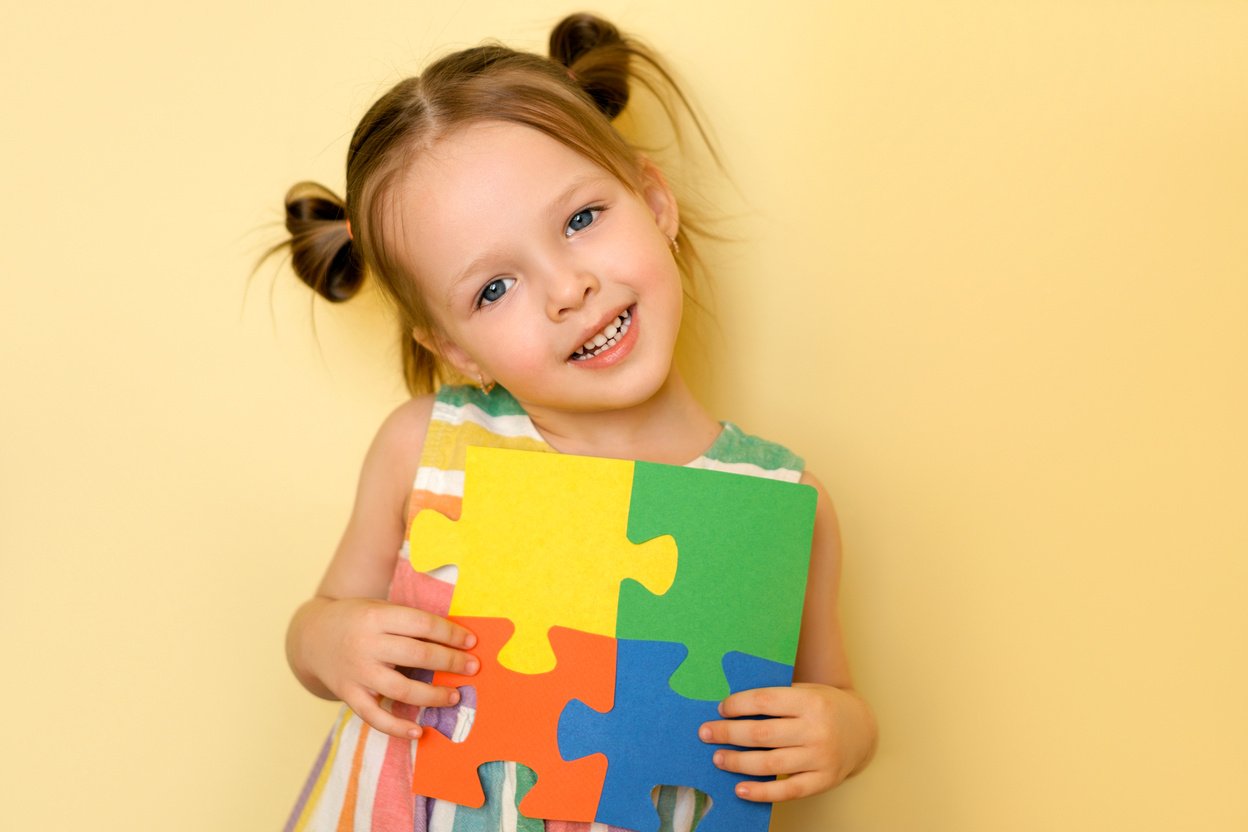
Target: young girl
column 530, row 251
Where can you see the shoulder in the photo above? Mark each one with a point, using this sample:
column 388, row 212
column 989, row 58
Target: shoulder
column 824, row 506
column 826, row 546
column 808, row 478
column 392, row 459
column 402, row 434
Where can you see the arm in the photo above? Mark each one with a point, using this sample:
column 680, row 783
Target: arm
column 345, row 642
column 820, row 731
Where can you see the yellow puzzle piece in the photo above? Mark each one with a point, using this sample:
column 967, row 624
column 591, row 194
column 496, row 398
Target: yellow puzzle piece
column 542, row 540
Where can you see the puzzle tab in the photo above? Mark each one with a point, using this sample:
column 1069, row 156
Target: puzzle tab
column 740, row 584
column 516, row 719
column 650, row 738
column 542, row 540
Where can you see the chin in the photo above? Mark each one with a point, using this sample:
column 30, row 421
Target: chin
column 634, row 393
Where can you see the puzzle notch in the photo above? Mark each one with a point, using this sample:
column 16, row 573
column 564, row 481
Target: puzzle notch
column 516, row 719
column 740, row 584
column 650, row 737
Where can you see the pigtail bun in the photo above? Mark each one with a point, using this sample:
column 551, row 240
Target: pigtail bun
column 597, row 58
column 321, row 251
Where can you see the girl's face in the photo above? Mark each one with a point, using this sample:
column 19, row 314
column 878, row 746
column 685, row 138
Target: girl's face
column 526, row 251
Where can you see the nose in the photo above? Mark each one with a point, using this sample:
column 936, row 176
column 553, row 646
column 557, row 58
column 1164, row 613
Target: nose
column 569, row 290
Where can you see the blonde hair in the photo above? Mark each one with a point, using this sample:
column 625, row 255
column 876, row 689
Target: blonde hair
column 571, row 97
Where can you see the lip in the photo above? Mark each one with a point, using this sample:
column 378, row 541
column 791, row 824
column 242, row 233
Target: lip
column 616, row 353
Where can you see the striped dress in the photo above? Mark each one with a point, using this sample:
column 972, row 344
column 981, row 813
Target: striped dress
column 361, row 779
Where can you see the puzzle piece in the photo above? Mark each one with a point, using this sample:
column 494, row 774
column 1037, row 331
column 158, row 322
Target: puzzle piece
column 516, row 719
column 650, row 738
column 542, row 540
column 740, row 585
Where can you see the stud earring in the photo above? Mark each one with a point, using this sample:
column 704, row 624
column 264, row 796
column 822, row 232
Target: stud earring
column 675, row 245
column 485, row 388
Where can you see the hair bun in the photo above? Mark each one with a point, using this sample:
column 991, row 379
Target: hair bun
column 321, row 252
column 596, row 56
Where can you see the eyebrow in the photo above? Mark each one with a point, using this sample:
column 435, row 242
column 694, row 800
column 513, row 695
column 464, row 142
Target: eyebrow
column 576, row 185
column 469, row 270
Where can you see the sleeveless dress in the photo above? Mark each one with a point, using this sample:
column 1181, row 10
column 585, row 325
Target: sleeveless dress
column 361, row 780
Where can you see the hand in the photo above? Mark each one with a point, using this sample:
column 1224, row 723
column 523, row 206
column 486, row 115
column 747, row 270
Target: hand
column 816, row 734
column 353, row 645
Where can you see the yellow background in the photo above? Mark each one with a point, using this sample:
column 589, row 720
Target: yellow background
column 992, row 283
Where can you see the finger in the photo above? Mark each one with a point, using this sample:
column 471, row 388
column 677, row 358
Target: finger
column 367, row 708
column 790, row 788
column 407, row 621
column 762, row 763
column 764, row 702
column 396, row 686
column 411, row 652
column 776, row 732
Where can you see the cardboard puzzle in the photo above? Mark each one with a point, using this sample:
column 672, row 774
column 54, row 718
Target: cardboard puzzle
column 615, row 603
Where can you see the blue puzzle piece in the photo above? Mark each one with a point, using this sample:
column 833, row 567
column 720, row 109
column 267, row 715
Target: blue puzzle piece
column 650, row 738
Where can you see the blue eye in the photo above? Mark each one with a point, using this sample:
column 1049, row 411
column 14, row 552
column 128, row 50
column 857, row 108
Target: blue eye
column 580, row 220
column 494, row 290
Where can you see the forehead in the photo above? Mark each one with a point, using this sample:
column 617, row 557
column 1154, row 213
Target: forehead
column 492, row 164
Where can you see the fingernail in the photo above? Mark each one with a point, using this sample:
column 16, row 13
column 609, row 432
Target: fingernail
column 704, row 733
column 454, row 697
column 743, row 790
column 473, row 666
column 470, row 641
column 414, row 733
column 718, row 758
column 720, row 708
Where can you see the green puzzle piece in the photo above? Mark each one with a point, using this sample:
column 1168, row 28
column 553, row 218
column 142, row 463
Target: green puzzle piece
column 744, row 545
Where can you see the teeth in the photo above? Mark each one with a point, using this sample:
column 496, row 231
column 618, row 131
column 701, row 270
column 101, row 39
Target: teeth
column 607, row 338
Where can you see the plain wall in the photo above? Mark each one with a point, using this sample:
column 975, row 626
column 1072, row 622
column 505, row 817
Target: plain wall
column 991, row 280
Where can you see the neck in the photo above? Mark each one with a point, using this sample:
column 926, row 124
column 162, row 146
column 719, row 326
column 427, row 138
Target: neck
column 670, row 427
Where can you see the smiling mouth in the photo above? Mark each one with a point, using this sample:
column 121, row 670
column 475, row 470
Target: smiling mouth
column 605, row 339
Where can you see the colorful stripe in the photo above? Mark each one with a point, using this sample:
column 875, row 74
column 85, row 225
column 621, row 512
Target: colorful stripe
column 361, row 779
column 327, row 795
column 313, row 779
column 373, row 753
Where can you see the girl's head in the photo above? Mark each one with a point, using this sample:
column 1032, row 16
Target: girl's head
column 493, row 191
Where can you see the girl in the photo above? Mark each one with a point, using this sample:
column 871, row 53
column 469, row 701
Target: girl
column 531, row 251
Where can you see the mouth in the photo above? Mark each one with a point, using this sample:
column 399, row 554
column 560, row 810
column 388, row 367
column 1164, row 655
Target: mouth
column 606, row 338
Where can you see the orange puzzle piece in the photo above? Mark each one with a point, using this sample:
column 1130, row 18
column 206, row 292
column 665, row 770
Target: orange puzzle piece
column 517, row 719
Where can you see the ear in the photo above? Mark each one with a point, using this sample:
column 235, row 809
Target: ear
column 448, row 351
column 659, row 197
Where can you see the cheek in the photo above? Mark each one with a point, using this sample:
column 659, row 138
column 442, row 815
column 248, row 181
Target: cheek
column 654, row 265
column 671, row 281
column 529, row 361
column 521, row 351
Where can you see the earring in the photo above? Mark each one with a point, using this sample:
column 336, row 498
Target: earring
column 485, row 388
column 675, row 245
